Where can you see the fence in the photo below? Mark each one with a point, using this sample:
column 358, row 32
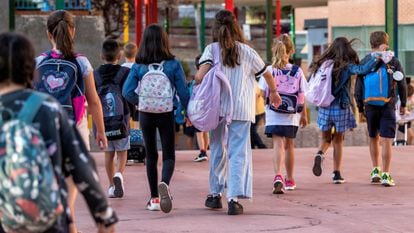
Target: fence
column 50, row 5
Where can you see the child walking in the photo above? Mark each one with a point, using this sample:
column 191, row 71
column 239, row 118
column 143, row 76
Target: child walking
column 72, row 89
column 64, row 147
column 282, row 126
column 154, row 55
column 109, row 79
column 381, row 119
column 338, row 117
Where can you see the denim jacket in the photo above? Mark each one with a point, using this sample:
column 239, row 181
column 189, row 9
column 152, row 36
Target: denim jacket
column 341, row 91
column 174, row 71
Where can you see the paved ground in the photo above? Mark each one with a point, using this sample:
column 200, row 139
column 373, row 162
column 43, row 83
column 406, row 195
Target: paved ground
column 316, row 206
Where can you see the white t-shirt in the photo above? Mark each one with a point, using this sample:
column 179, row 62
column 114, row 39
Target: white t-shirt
column 275, row 118
column 242, row 80
column 128, row 64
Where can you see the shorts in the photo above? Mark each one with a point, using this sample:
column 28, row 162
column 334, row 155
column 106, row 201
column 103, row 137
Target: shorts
column 335, row 116
column 381, row 119
column 288, row 131
column 189, row 131
column 119, row 145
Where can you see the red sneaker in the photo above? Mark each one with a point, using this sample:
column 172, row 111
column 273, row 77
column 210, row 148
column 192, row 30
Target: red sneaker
column 290, row 184
column 278, row 185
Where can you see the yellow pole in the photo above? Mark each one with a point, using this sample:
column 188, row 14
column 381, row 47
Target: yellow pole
column 126, row 22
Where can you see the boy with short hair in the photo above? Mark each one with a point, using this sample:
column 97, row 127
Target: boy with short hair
column 381, row 120
column 130, row 51
column 109, row 79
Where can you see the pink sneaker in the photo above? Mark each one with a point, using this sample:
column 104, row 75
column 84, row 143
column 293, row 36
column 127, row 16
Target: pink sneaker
column 290, row 184
column 278, row 185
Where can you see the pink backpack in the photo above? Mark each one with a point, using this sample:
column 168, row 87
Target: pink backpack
column 320, row 90
column 288, row 86
column 204, row 106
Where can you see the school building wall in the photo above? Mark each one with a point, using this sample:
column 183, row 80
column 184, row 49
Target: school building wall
column 358, row 18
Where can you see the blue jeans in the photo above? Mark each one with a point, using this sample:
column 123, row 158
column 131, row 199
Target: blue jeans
column 238, row 156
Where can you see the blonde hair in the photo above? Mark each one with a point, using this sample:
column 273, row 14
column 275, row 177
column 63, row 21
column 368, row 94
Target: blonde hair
column 282, row 48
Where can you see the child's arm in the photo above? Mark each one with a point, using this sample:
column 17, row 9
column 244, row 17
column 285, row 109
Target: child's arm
column 359, row 92
column 130, row 84
column 363, row 68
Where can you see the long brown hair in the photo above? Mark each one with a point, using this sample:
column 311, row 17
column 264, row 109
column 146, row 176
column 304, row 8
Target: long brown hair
column 342, row 53
column 59, row 24
column 227, row 32
column 154, row 46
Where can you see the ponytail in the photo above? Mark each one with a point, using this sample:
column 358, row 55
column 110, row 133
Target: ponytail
column 59, row 25
column 280, row 57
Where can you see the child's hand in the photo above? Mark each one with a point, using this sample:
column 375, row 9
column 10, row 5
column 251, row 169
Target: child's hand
column 187, row 122
column 303, row 121
column 101, row 140
column 403, row 111
column 275, row 99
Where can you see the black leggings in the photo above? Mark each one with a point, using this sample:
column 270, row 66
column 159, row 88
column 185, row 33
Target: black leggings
column 164, row 122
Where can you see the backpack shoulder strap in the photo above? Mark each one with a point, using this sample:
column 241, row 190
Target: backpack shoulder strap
column 31, row 106
column 294, row 70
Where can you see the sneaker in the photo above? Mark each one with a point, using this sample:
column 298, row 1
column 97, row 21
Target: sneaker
column 235, row 208
column 290, row 184
column 376, row 175
column 201, row 157
column 337, row 178
column 153, row 204
column 278, row 185
column 119, row 185
column 111, row 191
column 317, row 165
column 386, row 180
column 213, row 202
column 165, row 197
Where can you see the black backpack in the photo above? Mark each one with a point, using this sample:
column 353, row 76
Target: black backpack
column 114, row 106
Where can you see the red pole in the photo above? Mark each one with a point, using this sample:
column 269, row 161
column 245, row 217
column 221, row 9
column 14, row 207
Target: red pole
column 229, row 5
column 154, row 13
column 147, row 12
column 138, row 21
column 278, row 12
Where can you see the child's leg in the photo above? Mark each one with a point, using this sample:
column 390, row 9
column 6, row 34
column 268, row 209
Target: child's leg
column 206, row 140
column 410, row 136
column 374, row 150
column 386, row 153
column 72, row 194
column 122, row 159
column 326, row 141
column 279, row 152
column 109, row 166
column 290, row 157
column 338, row 146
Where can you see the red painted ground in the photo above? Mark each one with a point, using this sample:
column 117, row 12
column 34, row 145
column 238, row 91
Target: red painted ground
column 316, row 206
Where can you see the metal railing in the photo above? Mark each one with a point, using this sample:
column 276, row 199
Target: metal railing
column 50, row 5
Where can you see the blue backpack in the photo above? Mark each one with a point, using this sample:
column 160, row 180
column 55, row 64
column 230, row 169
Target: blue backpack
column 29, row 193
column 377, row 87
column 62, row 79
column 114, row 106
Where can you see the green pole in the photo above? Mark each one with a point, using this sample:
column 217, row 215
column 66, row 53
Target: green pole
column 293, row 29
column 11, row 15
column 269, row 30
column 389, row 21
column 60, row 4
column 202, row 26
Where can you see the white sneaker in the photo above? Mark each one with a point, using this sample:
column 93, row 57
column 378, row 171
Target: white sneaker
column 165, row 197
column 154, row 204
column 118, row 184
column 111, row 192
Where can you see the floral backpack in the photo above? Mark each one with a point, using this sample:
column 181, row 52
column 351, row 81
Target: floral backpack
column 155, row 91
column 29, row 194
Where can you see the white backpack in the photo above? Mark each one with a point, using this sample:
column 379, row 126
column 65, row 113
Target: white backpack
column 155, row 92
column 320, row 90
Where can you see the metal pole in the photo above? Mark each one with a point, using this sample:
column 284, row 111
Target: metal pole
column 395, row 27
column 11, row 15
column 154, row 11
column 126, row 22
column 269, row 30
column 229, row 5
column 202, row 25
column 278, row 13
column 293, row 29
column 390, row 16
column 138, row 21
column 60, row 4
